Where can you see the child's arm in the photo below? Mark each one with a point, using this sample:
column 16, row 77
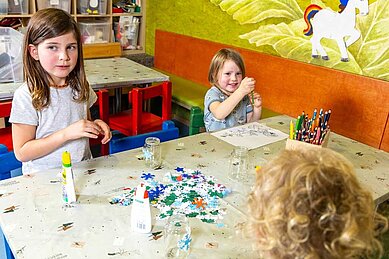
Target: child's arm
column 255, row 115
column 27, row 148
column 221, row 110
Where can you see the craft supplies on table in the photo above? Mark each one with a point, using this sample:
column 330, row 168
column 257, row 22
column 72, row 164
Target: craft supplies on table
column 177, row 237
column 68, row 190
column 152, row 152
column 239, row 164
column 251, row 135
column 140, row 211
column 309, row 133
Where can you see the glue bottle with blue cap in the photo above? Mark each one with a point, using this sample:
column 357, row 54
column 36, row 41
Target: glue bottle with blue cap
column 68, row 191
column 140, row 212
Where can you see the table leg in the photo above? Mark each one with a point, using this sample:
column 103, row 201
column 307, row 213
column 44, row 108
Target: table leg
column 118, row 100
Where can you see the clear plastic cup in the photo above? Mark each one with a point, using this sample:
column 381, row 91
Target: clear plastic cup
column 152, row 152
column 239, row 164
column 177, row 235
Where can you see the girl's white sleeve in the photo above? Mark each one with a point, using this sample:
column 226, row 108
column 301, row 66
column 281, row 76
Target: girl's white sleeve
column 22, row 110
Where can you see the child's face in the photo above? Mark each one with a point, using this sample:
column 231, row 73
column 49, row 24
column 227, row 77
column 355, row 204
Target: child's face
column 229, row 77
column 58, row 56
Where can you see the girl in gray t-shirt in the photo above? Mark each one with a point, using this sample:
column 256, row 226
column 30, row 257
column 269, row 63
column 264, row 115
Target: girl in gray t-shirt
column 50, row 111
column 231, row 100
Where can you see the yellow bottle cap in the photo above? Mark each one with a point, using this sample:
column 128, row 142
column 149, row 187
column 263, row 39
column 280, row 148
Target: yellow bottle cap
column 66, row 160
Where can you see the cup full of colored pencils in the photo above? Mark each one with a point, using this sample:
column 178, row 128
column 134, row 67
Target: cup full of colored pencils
column 309, row 132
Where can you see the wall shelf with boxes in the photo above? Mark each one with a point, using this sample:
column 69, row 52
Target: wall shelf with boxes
column 100, row 21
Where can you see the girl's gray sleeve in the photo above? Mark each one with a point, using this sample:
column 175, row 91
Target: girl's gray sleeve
column 92, row 97
column 22, row 110
column 210, row 97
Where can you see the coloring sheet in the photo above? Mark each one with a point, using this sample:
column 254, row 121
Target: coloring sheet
column 251, row 135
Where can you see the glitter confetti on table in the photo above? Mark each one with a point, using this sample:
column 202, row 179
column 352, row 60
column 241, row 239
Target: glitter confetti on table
column 188, row 192
column 11, row 209
column 147, row 176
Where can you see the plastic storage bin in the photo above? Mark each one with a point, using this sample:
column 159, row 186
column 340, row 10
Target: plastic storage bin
column 127, row 31
column 3, row 7
column 60, row 4
column 18, row 6
column 92, row 6
column 11, row 55
column 95, row 31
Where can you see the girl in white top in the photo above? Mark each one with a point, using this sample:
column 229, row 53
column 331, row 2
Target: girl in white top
column 50, row 111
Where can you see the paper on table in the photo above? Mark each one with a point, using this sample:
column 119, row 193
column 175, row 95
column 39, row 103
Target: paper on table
column 251, row 135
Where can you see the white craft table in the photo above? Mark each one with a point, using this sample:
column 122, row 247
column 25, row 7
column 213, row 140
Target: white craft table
column 102, row 230
column 105, row 73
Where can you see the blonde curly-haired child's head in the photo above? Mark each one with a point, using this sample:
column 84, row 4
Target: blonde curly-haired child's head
column 311, row 205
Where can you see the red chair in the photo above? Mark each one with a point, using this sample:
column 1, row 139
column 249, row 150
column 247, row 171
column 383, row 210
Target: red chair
column 137, row 120
column 6, row 133
column 102, row 103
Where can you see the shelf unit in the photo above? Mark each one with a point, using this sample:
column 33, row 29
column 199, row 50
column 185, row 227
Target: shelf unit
column 109, row 17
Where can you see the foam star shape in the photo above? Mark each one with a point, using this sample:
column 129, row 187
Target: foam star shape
column 184, row 243
column 199, row 203
column 179, row 169
column 147, row 154
column 147, row 176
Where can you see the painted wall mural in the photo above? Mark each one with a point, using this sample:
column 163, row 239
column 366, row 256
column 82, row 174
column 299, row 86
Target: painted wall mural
column 276, row 27
column 354, row 38
column 325, row 23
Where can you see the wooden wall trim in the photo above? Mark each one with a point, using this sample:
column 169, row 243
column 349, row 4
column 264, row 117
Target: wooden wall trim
column 360, row 104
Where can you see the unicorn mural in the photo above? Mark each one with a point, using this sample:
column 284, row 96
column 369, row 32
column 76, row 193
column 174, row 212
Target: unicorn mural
column 325, row 23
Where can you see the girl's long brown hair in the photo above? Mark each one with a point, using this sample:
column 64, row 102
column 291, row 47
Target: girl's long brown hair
column 45, row 24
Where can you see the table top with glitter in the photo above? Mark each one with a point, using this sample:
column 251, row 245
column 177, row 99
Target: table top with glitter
column 192, row 181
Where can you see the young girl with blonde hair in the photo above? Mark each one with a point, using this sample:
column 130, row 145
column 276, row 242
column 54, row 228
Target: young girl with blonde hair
column 311, row 205
column 231, row 100
column 50, row 111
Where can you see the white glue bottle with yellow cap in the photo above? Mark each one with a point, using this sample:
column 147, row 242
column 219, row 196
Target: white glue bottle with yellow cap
column 68, row 191
column 140, row 212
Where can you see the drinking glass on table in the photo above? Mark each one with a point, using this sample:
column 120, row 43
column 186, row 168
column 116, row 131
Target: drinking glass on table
column 239, row 162
column 152, row 152
column 177, row 235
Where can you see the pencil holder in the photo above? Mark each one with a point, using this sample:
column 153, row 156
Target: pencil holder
column 293, row 144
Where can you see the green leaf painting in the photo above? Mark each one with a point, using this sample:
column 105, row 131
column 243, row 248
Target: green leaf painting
column 369, row 55
column 253, row 11
column 372, row 52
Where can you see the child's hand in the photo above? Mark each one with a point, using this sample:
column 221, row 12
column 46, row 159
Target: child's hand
column 105, row 131
column 83, row 128
column 257, row 100
column 247, row 85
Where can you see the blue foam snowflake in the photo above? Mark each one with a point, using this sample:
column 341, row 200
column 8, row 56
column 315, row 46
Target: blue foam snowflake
column 147, row 154
column 179, row 169
column 184, row 243
column 154, row 193
column 147, row 176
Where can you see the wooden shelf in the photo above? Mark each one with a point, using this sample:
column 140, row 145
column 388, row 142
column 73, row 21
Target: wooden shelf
column 109, row 17
column 127, row 14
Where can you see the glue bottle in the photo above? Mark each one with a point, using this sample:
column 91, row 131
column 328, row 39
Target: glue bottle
column 68, row 191
column 140, row 212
